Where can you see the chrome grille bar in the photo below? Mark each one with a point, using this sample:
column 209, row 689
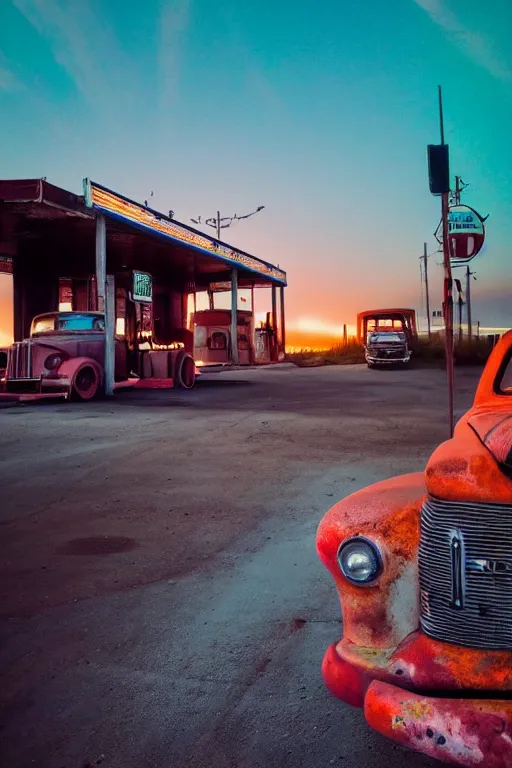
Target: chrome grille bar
column 465, row 564
column 19, row 365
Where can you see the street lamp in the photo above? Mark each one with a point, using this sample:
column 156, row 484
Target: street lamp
column 223, row 222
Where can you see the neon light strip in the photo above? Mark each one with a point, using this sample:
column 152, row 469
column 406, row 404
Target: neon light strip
column 106, row 201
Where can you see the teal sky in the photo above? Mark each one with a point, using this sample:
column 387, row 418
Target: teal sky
column 319, row 111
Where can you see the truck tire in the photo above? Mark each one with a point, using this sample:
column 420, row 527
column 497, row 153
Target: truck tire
column 185, row 371
column 86, row 383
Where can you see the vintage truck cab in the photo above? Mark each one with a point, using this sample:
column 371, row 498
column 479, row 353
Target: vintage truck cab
column 423, row 567
column 65, row 353
column 386, row 348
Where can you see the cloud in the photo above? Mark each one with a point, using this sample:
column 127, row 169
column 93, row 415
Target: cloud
column 8, row 81
column 83, row 45
column 474, row 44
column 174, row 20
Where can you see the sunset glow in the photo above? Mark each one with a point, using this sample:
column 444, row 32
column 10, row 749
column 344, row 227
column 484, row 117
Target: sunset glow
column 343, row 180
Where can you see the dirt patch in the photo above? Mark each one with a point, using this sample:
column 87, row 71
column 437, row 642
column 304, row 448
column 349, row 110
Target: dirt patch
column 98, row 545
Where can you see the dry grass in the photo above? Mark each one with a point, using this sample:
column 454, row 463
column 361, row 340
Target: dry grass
column 337, row 355
column 425, row 353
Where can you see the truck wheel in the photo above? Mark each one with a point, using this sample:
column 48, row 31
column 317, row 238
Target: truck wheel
column 85, row 384
column 185, row 377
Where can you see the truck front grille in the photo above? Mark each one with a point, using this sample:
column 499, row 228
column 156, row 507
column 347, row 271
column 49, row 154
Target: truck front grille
column 465, row 565
column 19, row 364
column 388, row 354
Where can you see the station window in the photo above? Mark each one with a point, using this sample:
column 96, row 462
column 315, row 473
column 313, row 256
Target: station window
column 218, row 340
column 200, row 336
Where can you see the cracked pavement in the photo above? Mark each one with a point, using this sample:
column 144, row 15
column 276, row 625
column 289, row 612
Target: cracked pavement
column 162, row 602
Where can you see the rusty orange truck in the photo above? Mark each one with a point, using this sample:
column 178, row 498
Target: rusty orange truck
column 423, row 567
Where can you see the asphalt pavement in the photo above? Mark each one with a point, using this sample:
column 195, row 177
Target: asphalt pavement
column 162, row 603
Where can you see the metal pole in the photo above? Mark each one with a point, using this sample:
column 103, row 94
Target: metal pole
column 234, row 316
column 468, row 302
column 457, row 190
column 441, row 119
column 460, row 318
column 274, row 349
column 448, row 310
column 274, row 309
column 425, row 264
column 448, row 286
column 283, row 324
column 110, row 312
column 101, row 261
column 218, row 225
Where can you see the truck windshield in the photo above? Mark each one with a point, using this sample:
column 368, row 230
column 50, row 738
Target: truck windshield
column 80, row 323
column 75, row 321
column 505, row 384
column 383, row 338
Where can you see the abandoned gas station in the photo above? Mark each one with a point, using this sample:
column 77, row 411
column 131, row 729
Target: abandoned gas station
column 137, row 270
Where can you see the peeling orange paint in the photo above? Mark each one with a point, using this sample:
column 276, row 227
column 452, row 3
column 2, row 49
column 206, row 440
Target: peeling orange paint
column 383, row 661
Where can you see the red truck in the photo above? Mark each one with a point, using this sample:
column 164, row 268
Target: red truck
column 423, row 567
column 64, row 356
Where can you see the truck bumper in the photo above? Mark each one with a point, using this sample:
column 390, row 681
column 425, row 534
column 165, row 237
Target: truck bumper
column 28, row 389
column 387, row 360
column 463, row 731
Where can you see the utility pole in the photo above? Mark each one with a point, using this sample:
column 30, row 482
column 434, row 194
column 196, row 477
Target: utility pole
column 469, row 274
column 457, row 190
column 460, row 302
column 424, row 259
column 219, row 222
column 448, row 283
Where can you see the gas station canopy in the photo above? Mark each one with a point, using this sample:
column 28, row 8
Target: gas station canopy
column 138, row 237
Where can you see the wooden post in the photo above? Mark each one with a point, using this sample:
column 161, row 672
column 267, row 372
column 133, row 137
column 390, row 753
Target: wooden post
column 106, row 301
column 448, row 287
column 110, row 321
column 283, row 323
column 468, row 303
column 274, row 308
column 425, row 267
column 275, row 354
column 101, row 261
column 234, row 316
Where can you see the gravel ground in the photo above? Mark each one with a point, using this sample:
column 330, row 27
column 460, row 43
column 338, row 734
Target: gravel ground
column 162, row 602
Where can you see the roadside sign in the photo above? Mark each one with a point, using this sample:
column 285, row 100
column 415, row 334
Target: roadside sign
column 142, row 287
column 5, row 265
column 466, row 233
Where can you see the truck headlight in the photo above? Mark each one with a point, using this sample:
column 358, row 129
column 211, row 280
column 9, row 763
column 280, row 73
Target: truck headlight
column 54, row 360
column 359, row 560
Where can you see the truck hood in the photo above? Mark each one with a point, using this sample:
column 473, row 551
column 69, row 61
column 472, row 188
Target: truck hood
column 495, row 432
column 475, row 465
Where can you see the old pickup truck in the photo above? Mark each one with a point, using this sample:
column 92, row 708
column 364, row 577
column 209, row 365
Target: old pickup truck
column 65, row 353
column 423, row 567
column 387, row 348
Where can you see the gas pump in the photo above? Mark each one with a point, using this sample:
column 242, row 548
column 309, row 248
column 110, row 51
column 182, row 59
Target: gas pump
column 266, row 346
column 135, row 304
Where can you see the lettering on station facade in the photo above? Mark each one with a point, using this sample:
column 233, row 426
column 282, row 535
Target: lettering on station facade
column 108, row 202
